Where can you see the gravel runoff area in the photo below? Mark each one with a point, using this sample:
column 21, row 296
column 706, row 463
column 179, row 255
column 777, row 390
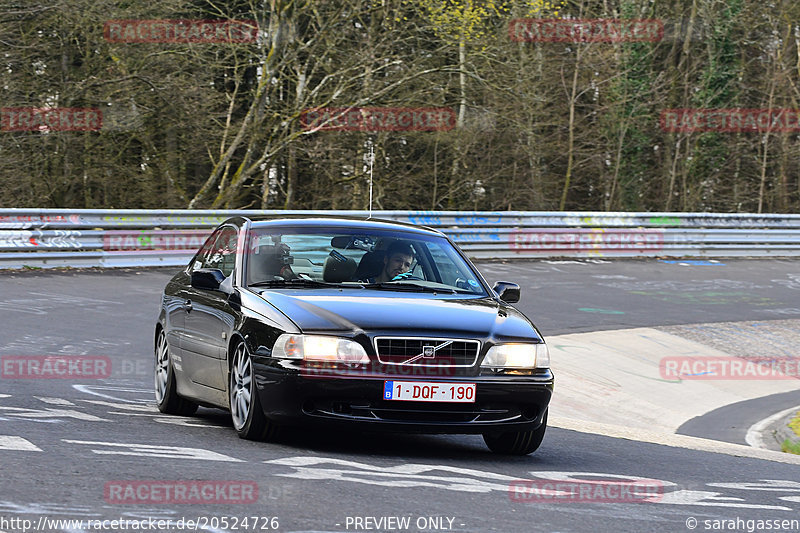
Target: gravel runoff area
column 751, row 339
column 761, row 340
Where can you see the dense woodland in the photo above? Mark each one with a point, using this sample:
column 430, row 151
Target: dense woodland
column 537, row 125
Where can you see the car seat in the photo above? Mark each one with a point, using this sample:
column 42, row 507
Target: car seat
column 370, row 266
column 265, row 264
column 338, row 268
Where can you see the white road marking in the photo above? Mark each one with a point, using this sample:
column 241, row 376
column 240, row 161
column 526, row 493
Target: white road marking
column 92, row 389
column 705, row 498
column 158, row 416
column 407, row 475
column 753, row 436
column 5, row 396
column 150, row 414
column 151, row 450
column 187, row 422
column 45, row 509
column 769, row 485
column 54, row 401
column 37, row 420
column 125, row 406
column 12, row 442
column 23, row 412
column 152, row 411
column 466, row 480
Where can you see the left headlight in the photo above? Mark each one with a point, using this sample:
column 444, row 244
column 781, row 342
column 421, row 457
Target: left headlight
column 517, row 355
column 319, row 348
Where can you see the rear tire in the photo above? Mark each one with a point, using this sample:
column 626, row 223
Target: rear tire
column 246, row 413
column 167, row 397
column 516, row 442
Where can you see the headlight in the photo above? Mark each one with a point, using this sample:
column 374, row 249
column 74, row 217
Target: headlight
column 517, row 356
column 319, row 348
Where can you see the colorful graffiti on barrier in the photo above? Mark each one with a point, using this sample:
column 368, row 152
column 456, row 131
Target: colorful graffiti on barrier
column 38, row 239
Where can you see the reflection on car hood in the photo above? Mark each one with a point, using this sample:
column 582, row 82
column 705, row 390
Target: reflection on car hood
column 415, row 314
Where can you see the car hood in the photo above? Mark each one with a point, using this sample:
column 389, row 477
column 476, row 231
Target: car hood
column 415, row 314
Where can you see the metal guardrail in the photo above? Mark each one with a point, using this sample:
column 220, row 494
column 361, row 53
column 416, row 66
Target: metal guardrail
column 123, row 238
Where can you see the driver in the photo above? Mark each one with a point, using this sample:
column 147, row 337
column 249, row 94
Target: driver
column 398, row 260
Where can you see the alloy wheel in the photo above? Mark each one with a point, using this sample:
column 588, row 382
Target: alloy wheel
column 241, row 387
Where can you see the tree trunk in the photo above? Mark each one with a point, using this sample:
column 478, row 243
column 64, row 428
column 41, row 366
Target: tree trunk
column 571, row 130
column 455, row 172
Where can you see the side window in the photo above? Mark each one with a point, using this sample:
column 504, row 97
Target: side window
column 447, row 263
column 201, row 257
column 221, row 254
column 420, row 261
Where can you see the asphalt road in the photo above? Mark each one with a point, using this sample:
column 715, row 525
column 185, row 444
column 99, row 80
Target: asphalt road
column 62, row 443
column 577, row 296
column 731, row 422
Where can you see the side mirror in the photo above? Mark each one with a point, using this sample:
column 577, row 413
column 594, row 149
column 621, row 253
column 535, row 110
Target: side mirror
column 207, row 278
column 507, row 291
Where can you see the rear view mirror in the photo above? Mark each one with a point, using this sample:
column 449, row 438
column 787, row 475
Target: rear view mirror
column 341, row 241
column 353, row 242
column 207, row 278
column 507, row 291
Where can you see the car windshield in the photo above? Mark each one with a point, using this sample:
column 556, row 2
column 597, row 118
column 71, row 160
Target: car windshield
column 297, row 257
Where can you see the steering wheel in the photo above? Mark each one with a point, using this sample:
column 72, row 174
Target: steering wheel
column 406, row 276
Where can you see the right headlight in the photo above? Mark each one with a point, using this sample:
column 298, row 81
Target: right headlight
column 517, row 356
column 319, row 348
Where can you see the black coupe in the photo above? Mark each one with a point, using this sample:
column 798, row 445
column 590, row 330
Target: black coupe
column 377, row 324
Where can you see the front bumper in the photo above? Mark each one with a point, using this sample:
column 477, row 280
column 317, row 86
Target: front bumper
column 502, row 402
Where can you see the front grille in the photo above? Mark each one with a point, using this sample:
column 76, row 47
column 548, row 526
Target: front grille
column 419, row 351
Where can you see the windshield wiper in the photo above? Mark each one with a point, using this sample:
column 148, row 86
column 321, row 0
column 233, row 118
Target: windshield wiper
column 303, row 282
column 408, row 287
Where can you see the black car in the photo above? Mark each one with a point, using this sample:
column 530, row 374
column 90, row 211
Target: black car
column 377, row 324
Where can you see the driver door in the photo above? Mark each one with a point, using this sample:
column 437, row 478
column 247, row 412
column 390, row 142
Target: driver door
column 209, row 317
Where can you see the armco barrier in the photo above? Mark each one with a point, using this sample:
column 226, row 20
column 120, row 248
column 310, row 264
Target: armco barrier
column 123, row 238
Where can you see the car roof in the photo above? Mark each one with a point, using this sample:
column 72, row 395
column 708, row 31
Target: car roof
column 336, row 222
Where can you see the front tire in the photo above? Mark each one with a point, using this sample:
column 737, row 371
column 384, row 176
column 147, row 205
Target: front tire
column 248, row 418
column 167, row 397
column 516, row 442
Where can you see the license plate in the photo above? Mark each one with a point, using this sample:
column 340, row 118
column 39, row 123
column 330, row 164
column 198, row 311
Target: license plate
column 425, row 391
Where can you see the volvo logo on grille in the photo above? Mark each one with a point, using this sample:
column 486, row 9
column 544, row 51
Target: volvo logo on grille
column 428, row 352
